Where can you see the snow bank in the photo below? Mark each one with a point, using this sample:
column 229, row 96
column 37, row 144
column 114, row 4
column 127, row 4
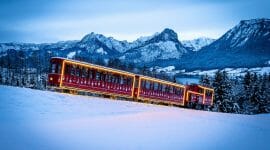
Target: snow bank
column 71, row 54
column 32, row 119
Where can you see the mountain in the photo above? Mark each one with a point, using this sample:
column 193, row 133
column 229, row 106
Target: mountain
column 160, row 46
column 198, row 43
column 94, row 41
column 245, row 45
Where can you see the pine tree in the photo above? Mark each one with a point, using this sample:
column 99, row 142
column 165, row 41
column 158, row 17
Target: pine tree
column 223, row 95
column 205, row 80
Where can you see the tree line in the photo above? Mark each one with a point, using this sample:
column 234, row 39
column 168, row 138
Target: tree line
column 249, row 94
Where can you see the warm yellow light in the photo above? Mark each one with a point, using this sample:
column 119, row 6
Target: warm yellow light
column 51, row 78
column 162, row 81
column 206, row 88
column 99, row 67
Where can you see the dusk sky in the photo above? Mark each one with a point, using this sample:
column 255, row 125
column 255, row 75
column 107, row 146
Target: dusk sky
column 42, row 21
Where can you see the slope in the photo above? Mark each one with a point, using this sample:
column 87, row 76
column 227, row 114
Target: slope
column 32, row 119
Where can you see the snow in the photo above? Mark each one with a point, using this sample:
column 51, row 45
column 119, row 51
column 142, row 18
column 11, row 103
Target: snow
column 169, row 68
column 71, row 54
column 32, row 119
column 197, row 44
column 101, row 51
column 159, row 50
column 231, row 71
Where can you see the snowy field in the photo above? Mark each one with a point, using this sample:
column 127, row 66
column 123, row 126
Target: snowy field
column 32, row 119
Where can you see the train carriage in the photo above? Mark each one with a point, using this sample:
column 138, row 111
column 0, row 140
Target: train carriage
column 197, row 94
column 156, row 90
column 74, row 76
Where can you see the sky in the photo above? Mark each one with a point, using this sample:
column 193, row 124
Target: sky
column 45, row 21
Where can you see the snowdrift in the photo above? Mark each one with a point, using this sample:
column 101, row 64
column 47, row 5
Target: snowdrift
column 32, row 119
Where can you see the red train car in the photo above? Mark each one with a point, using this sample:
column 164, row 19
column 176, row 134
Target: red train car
column 197, row 94
column 152, row 89
column 74, row 75
column 79, row 76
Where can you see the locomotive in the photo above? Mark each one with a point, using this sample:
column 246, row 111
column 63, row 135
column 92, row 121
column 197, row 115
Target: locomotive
column 74, row 76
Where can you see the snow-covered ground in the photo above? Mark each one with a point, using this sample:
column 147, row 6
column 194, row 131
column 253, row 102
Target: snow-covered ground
column 232, row 71
column 32, row 119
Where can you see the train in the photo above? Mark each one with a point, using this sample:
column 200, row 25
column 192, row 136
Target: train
column 72, row 76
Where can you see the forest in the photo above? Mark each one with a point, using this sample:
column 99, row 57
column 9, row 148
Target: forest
column 248, row 94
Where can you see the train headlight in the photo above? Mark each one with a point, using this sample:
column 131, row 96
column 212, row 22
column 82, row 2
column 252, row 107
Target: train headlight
column 51, row 78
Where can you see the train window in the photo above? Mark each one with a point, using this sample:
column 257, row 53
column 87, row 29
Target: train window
column 97, row 75
column 67, row 69
column 208, row 93
column 171, row 89
column 72, row 70
column 84, row 72
column 147, row 85
column 112, row 78
column 128, row 81
column 156, row 86
column 101, row 76
column 121, row 80
column 167, row 89
column 78, row 71
column 104, row 75
column 142, row 84
column 109, row 77
column 161, row 88
column 200, row 90
column 53, row 68
column 59, row 68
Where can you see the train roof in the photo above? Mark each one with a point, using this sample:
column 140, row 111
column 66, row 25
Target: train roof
column 121, row 71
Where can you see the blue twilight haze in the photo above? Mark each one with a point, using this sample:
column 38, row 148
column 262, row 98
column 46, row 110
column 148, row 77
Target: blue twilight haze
column 50, row 21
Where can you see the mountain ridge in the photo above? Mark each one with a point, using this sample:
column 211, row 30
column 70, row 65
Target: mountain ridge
column 245, row 45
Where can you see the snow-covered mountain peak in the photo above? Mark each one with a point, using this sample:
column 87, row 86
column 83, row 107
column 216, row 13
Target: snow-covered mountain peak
column 251, row 34
column 109, row 42
column 254, row 21
column 160, row 46
column 198, row 43
column 167, row 35
column 93, row 36
column 248, row 30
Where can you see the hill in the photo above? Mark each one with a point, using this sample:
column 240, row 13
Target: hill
column 33, row 119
